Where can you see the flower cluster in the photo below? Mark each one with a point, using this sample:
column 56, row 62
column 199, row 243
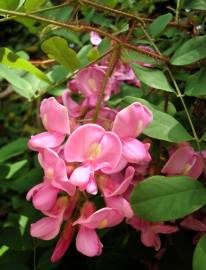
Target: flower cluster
column 82, row 159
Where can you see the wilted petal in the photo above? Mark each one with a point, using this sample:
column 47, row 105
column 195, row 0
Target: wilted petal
column 192, row 223
column 150, row 239
column 63, row 243
column 88, row 243
column 54, row 116
column 132, row 120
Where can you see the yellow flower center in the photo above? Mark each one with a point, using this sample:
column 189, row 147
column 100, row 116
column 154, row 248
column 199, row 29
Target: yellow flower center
column 94, row 151
column 186, row 169
column 92, row 85
column 102, row 224
column 50, row 173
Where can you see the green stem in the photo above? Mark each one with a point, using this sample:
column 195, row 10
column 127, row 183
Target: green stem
column 177, row 11
column 108, row 73
column 178, row 92
column 86, row 28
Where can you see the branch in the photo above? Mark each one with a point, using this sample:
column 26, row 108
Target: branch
column 86, row 28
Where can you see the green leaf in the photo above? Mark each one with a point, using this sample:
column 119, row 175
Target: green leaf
column 196, row 4
column 153, row 78
column 204, row 137
column 159, row 24
column 164, row 126
column 191, row 51
column 12, row 60
column 160, row 198
column 13, row 149
column 31, row 5
column 9, row 4
column 15, row 167
column 20, row 85
column 199, row 257
column 131, row 56
column 57, row 48
column 195, row 85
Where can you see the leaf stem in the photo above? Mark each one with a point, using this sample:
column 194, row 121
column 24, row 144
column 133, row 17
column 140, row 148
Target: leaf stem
column 178, row 92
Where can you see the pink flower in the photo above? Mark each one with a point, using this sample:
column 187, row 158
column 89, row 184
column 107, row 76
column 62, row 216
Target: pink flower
column 114, row 187
column 95, row 39
column 55, row 171
column 150, row 231
column 88, row 83
column 87, row 241
column 55, row 119
column 48, row 227
column 136, row 118
column 184, row 161
column 54, row 116
column 196, row 223
column 43, row 196
column 96, row 149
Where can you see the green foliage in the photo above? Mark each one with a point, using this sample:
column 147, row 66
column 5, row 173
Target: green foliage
column 57, row 48
column 159, row 24
column 191, row 51
column 12, row 60
column 164, row 126
column 152, row 77
column 160, row 198
column 199, row 259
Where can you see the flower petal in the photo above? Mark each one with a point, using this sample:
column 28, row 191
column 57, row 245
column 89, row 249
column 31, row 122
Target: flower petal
column 88, row 243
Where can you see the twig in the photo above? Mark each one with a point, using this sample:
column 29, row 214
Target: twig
column 86, row 28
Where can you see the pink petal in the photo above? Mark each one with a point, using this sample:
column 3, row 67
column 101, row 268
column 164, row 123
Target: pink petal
column 110, row 150
column 150, row 239
column 63, row 243
column 105, row 217
column 120, row 188
column 54, row 116
column 46, row 228
column 45, row 198
column 45, row 140
column 184, row 161
column 134, row 151
column 92, row 185
column 74, row 109
column 192, row 223
column 80, row 177
column 121, row 204
column 132, row 120
column 95, row 39
column 88, row 243
column 79, row 143
column 55, row 171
